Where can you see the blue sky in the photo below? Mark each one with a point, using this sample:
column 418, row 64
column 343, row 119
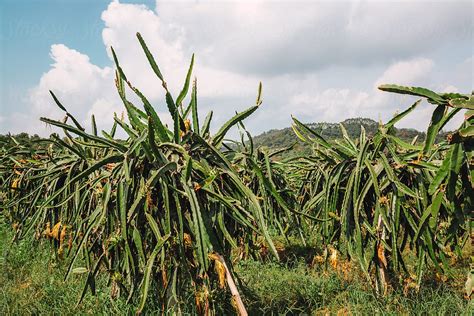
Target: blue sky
column 318, row 60
column 30, row 27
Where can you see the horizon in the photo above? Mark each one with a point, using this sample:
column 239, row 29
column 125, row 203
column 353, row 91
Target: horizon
column 312, row 64
column 280, row 129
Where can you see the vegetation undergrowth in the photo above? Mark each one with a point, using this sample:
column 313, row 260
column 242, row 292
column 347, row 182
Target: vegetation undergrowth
column 32, row 282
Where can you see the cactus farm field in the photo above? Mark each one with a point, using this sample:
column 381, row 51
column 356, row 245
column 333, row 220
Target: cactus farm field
column 178, row 219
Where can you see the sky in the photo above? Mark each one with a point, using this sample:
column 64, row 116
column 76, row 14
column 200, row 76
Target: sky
column 317, row 60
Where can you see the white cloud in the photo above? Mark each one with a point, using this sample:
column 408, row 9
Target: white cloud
column 331, row 105
column 406, row 72
column 76, row 82
column 269, row 37
column 122, row 21
column 450, row 89
column 103, row 111
column 337, row 104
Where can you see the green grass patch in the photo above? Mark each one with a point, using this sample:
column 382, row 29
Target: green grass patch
column 32, row 282
column 275, row 289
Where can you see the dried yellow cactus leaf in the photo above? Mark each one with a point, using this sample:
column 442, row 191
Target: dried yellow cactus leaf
column 15, row 183
column 468, row 286
column 187, row 240
column 55, row 230
column 317, row 259
column 381, row 255
column 220, row 270
column 60, row 251
column 187, row 124
column 384, row 200
column 47, row 230
column 62, row 236
column 333, row 258
column 197, row 187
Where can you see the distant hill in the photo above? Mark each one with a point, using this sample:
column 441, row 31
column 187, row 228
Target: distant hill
column 281, row 138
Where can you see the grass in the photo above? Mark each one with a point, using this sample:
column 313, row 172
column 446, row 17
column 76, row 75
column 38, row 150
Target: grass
column 275, row 289
column 32, row 283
